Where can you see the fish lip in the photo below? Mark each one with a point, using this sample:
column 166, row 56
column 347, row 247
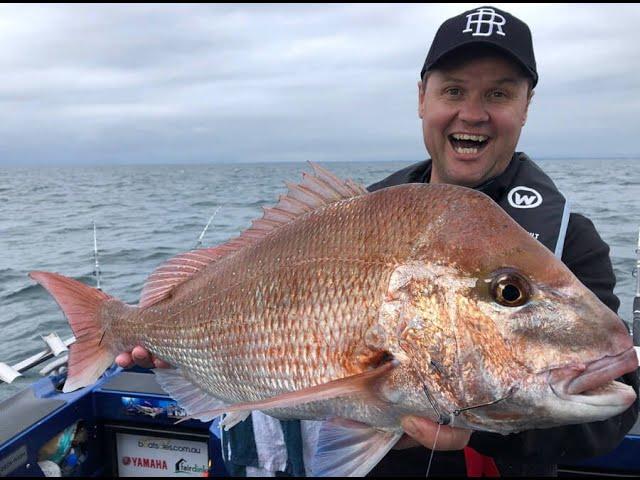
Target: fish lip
column 614, row 394
column 605, row 369
column 594, row 382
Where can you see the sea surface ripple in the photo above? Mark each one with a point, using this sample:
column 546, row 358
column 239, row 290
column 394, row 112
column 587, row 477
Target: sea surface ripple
column 147, row 214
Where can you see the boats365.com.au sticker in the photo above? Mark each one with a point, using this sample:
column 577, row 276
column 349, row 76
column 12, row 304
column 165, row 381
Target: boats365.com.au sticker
column 145, row 456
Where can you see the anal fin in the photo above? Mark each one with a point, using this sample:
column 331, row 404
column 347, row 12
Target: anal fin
column 234, row 418
column 350, row 449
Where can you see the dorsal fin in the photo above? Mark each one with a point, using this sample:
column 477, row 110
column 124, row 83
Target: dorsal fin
column 315, row 191
column 175, row 271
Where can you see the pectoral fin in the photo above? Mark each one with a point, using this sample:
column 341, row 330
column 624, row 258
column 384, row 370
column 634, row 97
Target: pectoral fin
column 359, row 383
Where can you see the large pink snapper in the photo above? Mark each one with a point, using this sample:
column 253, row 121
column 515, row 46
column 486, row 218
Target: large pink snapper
column 341, row 304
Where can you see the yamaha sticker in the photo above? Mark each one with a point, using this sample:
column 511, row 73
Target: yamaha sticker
column 146, row 456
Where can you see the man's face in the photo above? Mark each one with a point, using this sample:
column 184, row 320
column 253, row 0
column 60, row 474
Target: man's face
column 486, row 98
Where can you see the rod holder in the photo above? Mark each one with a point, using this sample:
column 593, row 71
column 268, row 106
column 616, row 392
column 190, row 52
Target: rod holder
column 7, row 373
column 55, row 344
column 57, row 363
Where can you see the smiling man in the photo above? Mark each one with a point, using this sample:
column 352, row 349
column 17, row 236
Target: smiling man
column 473, row 97
column 473, row 107
column 474, row 92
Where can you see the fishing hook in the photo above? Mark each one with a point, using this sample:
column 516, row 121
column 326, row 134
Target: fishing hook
column 511, row 391
column 447, row 419
column 442, row 419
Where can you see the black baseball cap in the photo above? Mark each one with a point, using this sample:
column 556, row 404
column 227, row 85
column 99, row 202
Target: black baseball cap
column 484, row 25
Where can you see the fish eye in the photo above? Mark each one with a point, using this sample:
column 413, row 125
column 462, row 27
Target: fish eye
column 510, row 289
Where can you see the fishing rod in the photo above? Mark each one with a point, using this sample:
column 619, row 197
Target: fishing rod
column 199, row 242
column 636, row 300
column 55, row 345
column 96, row 269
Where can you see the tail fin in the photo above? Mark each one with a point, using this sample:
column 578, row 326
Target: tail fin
column 89, row 356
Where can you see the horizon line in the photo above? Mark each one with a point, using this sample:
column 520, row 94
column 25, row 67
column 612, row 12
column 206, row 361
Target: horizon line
column 275, row 162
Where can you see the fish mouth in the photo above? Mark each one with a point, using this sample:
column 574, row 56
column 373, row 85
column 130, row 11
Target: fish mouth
column 594, row 383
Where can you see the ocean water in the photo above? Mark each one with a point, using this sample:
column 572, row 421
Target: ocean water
column 147, row 214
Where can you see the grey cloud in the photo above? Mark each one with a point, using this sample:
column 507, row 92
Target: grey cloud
column 200, row 83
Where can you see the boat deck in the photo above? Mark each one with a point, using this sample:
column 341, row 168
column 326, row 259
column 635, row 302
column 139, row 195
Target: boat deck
column 128, row 426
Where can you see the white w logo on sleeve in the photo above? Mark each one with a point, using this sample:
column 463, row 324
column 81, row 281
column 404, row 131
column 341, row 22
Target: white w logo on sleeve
column 524, row 197
column 485, row 17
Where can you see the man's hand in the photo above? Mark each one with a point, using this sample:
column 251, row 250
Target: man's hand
column 422, row 431
column 141, row 357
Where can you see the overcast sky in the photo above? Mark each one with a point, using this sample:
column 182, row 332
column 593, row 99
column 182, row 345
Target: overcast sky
column 99, row 84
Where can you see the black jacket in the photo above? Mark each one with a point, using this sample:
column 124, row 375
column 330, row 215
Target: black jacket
column 533, row 452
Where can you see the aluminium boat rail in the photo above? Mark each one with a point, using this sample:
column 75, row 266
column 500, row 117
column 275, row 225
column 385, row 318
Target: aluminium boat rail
column 55, row 347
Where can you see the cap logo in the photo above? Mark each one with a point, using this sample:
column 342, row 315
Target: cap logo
column 484, row 19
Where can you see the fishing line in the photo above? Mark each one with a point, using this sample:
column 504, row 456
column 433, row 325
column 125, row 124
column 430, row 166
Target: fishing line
column 433, row 450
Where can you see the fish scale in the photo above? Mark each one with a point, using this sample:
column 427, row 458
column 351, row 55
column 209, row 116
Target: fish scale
column 321, row 295
column 343, row 305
